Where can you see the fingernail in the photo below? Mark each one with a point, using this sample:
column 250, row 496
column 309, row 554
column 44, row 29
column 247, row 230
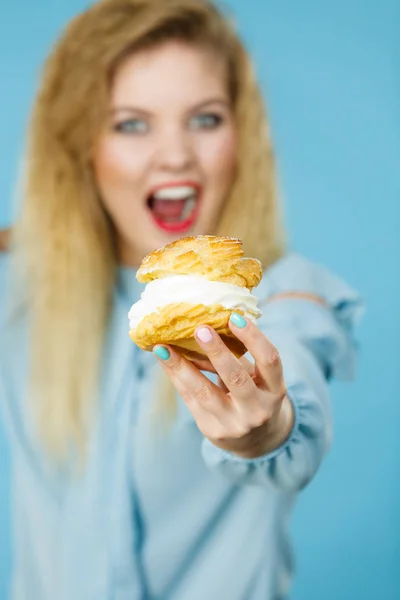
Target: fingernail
column 162, row 353
column 204, row 335
column 238, row 320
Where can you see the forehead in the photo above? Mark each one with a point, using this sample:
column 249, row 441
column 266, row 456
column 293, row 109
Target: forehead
column 171, row 72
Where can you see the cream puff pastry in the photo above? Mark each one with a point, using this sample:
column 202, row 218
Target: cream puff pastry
column 194, row 281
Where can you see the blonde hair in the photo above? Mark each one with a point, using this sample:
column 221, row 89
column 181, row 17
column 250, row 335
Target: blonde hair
column 64, row 241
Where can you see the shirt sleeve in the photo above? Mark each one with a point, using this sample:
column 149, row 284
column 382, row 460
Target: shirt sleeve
column 316, row 343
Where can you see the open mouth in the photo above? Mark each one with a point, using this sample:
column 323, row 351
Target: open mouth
column 174, row 208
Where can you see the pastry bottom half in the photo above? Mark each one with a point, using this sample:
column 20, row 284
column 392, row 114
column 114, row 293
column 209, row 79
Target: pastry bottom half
column 175, row 325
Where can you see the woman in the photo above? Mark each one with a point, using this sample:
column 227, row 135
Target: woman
column 138, row 96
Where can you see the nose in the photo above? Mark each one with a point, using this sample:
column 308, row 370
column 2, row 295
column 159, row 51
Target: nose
column 174, row 150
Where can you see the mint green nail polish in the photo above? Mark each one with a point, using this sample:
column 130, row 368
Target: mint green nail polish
column 162, row 352
column 238, row 320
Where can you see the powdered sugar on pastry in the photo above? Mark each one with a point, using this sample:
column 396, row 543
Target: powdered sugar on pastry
column 217, row 258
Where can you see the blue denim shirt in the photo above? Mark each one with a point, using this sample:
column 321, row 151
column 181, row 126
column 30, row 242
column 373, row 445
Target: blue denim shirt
column 160, row 513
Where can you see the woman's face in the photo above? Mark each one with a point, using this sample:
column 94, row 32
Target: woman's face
column 166, row 160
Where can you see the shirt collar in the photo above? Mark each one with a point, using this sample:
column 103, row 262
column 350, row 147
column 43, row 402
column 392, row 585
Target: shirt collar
column 127, row 284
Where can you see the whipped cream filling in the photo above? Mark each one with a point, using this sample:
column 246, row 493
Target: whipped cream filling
column 192, row 289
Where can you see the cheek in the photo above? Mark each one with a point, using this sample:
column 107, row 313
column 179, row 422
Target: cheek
column 117, row 164
column 219, row 158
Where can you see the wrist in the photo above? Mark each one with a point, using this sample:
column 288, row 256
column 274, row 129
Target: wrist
column 276, row 432
column 284, row 426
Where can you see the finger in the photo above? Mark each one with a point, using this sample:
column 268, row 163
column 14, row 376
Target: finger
column 266, row 356
column 229, row 368
column 206, row 365
column 222, row 385
column 198, row 392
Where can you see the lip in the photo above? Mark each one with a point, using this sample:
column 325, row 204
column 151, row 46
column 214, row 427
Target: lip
column 182, row 226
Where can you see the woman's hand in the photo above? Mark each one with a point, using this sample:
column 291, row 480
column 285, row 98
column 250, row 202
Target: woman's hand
column 5, row 235
column 249, row 413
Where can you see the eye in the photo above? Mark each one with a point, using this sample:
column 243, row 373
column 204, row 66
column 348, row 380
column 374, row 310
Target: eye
column 206, row 121
column 132, row 126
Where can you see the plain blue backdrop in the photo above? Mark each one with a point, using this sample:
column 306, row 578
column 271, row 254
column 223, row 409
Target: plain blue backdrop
column 328, row 70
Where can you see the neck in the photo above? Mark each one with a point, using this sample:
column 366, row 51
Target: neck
column 128, row 256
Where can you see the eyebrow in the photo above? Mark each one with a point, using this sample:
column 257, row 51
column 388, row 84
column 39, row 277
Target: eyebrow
column 203, row 104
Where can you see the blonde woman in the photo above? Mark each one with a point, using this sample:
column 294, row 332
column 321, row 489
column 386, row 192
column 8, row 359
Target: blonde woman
column 140, row 95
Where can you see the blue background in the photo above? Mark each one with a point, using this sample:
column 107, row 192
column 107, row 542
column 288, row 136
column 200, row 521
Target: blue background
column 329, row 73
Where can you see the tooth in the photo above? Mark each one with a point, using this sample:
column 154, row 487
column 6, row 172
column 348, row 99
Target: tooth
column 175, row 193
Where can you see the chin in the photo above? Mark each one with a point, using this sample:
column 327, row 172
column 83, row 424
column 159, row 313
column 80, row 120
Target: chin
column 155, row 235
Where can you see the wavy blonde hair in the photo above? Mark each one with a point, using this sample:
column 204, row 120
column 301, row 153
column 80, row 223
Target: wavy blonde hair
column 64, row 241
